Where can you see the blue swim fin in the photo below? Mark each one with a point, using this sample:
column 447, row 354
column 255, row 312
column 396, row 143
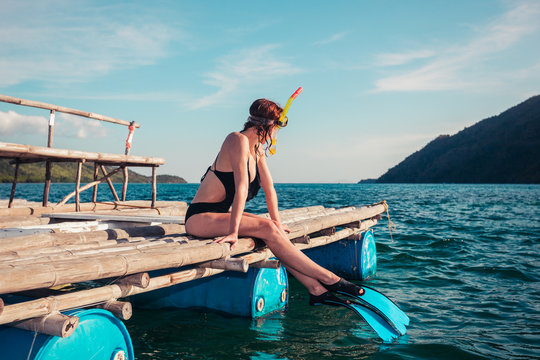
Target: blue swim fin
column 375, row 300
column 381, row 326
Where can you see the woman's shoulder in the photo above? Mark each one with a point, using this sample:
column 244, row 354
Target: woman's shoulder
column 237, row 139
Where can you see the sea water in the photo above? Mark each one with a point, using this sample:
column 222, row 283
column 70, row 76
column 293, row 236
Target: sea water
column 464, row 264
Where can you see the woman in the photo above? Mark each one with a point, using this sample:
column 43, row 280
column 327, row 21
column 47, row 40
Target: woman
column 235, row 177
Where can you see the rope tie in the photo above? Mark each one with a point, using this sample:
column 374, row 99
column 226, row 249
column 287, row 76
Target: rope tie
column 391, row 225
column 32, row 345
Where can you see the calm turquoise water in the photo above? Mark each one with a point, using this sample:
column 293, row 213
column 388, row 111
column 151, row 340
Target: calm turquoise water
column 464, row 265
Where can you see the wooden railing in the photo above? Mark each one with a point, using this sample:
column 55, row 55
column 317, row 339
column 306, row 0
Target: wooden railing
column 98, row 165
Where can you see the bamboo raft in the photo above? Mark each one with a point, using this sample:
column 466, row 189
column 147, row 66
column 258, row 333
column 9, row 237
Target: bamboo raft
column 125, row 253
column 63, row 264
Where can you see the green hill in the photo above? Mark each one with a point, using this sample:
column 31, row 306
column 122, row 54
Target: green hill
column 499, row 149
column 66, row 172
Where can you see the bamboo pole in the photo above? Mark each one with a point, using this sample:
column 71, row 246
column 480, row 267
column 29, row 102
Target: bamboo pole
column 58, row 254
column 79, row 189
column 103, row 294
column 141, row 280
column 154, row 186
column 310, row 226
column 41, row 105
column 44, row 240
column 53, row 324
column 266, row 264
column 113, row 191
column 121, row 309
column 47, row 186
column 84, row 298
column 31, row 276
column 50, row 135
column 40, row 153
column 12, row 195
column 124, row 183
column 232, row 264
column 82, row 269
column 126, row 152
column 48, row 164
column 98, row 246
column 77, row 186
column 96, row 174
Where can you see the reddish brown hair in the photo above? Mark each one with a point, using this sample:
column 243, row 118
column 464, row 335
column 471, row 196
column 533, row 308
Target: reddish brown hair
column 263, row 108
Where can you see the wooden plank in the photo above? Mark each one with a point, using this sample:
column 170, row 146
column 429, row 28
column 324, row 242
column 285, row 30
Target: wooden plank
column 42, row 105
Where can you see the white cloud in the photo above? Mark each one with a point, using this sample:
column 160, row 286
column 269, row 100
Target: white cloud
column 400, row 59
column 14, row 123
column 82, row 43
column 242, row 68
column 81, row 128
column 333, row 38
column 463, row 65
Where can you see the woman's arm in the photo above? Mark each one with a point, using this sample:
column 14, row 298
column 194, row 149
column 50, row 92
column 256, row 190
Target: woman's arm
column 269, row 191
column 237, row 147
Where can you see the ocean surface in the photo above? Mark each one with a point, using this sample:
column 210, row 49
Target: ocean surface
column 464, row 264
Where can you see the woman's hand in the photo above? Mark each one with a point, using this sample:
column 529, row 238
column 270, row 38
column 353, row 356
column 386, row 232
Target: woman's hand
column 284, row 227
column 231, row 238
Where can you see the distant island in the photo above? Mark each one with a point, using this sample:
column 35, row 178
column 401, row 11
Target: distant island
column 499, row 149
column 66, row 172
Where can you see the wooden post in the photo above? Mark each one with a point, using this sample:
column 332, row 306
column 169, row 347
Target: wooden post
column 48, row 164
column 154, row 186
column 54, row 324
column 233, row 264
column 109, row 182
column 94, row 194
column 266, row 264
column 125, row 184
column 51, row 129
column 121, row 309
column 87, row 186
column 47, row 187
column 141, row 280
column 129, row 139
column 12, row 195
column 77, row 185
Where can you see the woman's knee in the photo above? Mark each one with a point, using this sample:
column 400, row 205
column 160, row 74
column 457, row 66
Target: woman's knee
column 271, row 230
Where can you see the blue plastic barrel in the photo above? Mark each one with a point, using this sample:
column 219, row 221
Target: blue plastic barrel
column 351, row 259
column 99, row 336
column 253, row 294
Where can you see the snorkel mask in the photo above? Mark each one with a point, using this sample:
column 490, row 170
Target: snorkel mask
column 282, row 121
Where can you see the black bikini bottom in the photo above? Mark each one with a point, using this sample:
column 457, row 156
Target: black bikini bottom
column 206, row 207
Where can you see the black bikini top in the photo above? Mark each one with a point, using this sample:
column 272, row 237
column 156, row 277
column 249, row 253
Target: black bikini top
column 227, row 179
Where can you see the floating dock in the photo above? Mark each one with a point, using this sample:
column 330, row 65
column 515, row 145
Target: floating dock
column 70, row 273
column 137, row 256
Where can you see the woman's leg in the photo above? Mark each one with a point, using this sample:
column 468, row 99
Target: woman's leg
column 217, row 224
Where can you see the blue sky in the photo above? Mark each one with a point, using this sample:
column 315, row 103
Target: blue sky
column 380, row 78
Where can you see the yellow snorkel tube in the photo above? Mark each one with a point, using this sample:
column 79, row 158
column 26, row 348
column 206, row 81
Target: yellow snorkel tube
column 282, row 121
